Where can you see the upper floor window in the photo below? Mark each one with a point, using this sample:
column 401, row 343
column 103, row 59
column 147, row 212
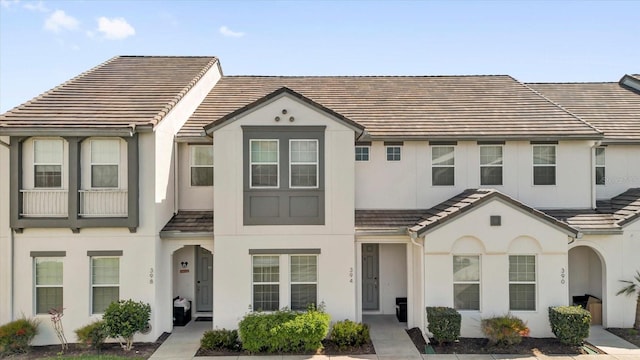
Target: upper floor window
column 491, row 165
column 48, row 284
column 201, row 165
column 264, row 163
column 522, row 282
column 105, row 163
column 600, row 162
column 442, row 165
column 47, row 164
column 394, row 153
column 362, row 153
column 303, row 163
column 105, row 282
column 544, row 165
column 466, row 282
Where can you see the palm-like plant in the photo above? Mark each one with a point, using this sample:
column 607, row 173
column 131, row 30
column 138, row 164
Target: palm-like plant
column 633, row 287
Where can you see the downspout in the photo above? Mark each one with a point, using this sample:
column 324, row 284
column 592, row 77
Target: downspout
column 175, row 178
column 414, row 236
column 13, row 256
column 593, row 173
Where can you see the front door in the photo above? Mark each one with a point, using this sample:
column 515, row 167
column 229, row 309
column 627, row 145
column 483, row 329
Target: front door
column 370, row 274
column 204, row 280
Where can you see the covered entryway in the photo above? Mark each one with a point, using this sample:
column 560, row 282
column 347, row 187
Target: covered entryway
column 586, row 274
column 204, row 280
column 384, row 278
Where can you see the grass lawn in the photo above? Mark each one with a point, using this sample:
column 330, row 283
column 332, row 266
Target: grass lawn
column 97, row 357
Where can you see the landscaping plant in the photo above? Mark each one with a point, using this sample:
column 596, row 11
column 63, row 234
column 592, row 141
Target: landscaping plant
column 504, row 330
column 92, row 335
column 444, row 323
column 220, row 340
column 570, row 324
column 16, row 336
column 347, row 334
column 125, row 318
column 633, row 287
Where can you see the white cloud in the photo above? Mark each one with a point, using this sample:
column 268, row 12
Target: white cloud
column 115, row 29
column 8, row 3
column 36, row 6
column 58, row 20
column 230, row 33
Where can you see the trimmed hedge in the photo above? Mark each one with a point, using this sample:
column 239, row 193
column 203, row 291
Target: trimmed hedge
column 570, row 324
column 284, row 331
column 16, row 336
column 444, row 323
column 504, row 330
column 220, row 339
column 347, row 334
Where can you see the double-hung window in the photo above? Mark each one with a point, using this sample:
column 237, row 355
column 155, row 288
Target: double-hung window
column 105, row 282
column 105, row 163
column 201, row 165
column 491, row 165
column 600, row 171
column 522, row 282
column 362, row 153
column 442, row 165
column 466, row 282
column 544, row 165
column 47, row 163
column 266, row 283
column 304, row 281
column 48, row 284
column 264, row 163
column 303, row 163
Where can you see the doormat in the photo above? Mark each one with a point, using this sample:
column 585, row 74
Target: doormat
column 204, row 318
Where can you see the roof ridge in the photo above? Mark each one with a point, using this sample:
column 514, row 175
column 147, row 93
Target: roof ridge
column 366, row 76
column 165, row 110
column 570, row 82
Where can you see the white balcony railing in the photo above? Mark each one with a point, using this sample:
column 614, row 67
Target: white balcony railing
column 45, row 203
column 103, row 203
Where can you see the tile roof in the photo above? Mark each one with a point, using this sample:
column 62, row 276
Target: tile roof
column 189, row 222
column 609, row 107
column 122, row 91
column 405, row 107
column 395, row 220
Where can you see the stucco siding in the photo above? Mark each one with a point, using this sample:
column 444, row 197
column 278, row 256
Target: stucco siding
column 191, row 197
column 622, row 170
column 6, row 270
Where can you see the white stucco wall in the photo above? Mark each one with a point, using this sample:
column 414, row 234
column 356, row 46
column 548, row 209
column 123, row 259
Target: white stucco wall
column 183, row 282
column 191, row 197
column 622, row 170
column 6, row 270
column 393, row 276
column 519, row 234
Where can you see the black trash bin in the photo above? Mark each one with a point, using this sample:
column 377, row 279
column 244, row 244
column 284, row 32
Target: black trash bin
column 401, row 309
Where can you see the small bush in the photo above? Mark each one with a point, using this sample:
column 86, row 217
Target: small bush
column 16, row 336
column 504, row 330
column 220, row 339
column 444, row 323
column 92, row 335
column 570, row 324
column 284, row 331
column 125, row 318
column 347, row 334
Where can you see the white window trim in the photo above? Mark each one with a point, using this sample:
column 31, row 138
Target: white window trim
column 535, row 283
column 277, row 163
column 291, row 282
column 386, row 152
column 501, row 165
column 368, row 152
column 555, row 164
column 36, row 286
column 603, row 165
column 91, row 258
column 192, row 165
column 37, row 163
column 478, row 282
column 316, row 163
column 267, row 282
column 91, row 163
column 443, row 166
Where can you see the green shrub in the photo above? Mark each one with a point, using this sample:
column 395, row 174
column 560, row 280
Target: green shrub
column 570, row 324
column 16, row 336
column 348, row 334
column 284, row 331
column 125, row 318
column 220, row 339
column 444, row 323
column 504, row 330
column 92, row 335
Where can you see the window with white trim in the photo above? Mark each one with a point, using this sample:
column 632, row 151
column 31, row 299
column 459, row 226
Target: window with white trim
column 266, row 282
column 105, row 163
column 394, row 153
column 362, row 153
column 303, row 163
column 600, row 162
column 105, row 282
column 304, row 281
column 466, row 282
column 264, row 159
column 442, row 165
column 47, row 163
column 544, row 164
column 48, row 284
column 201, row 165
column 522, row 282
column 491, row 165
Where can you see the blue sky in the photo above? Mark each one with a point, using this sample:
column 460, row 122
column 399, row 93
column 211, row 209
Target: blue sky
column 44, row 43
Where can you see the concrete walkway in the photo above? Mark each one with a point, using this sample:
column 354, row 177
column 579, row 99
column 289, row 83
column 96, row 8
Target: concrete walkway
column 610, row 343
column 390, row 338
column 183, row 343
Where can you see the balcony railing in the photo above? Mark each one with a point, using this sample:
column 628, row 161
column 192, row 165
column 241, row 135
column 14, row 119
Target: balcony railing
column 45, row 203
column 103, row 203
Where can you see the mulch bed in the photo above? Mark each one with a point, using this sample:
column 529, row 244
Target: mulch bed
column 140, row 350
column 528, row 346
column 631, row 335
column 329, row 348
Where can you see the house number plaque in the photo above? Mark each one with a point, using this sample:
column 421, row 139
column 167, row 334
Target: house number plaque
column 350, row 275
column 150, row 275
column 562, row 275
